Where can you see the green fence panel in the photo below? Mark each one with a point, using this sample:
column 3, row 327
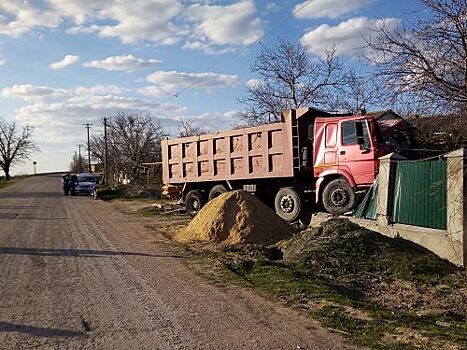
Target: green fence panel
column 367, row 207
column 419, row 194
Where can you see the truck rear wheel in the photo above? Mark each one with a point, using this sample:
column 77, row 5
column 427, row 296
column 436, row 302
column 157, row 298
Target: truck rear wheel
column 194, row 201
column 288, row 204
column 338, row 197
column 216, row 191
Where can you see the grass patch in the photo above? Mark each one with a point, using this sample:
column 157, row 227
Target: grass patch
column 125, row 194
column 108, row 193
column 4, row 183
column 13, row 180
column 379, row 292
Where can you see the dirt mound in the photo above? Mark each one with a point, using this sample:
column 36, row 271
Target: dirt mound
column 340, row 248
column 236, row 217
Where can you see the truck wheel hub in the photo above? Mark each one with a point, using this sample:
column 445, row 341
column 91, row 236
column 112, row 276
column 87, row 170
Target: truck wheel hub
column 195, row 204
column 339, row 197
column 287, row 204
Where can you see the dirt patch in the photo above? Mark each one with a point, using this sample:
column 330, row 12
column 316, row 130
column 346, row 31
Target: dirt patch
column 408, row 336
column 378, row 291
column 236, row 217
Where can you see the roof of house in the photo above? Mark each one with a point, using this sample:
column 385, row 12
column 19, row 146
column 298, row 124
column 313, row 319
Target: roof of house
column 379, row 114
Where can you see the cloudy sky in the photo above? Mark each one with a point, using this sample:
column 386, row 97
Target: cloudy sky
column 68, row 62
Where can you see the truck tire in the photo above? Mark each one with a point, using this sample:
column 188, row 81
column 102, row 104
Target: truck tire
column 194, row 201
column 288, row 204
column 338, row 197
column 216, row 191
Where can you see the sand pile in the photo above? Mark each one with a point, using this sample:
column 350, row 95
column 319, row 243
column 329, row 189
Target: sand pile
column 236, row 217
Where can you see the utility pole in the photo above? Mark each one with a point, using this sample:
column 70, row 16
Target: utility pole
column 106, row 160
column 88, row 126
column 34, row 163
column 79, row 157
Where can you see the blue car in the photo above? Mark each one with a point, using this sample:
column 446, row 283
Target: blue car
column 83, row 183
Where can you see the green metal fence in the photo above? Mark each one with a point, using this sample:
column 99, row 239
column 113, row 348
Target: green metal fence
column 367, row 207
column 419, row 194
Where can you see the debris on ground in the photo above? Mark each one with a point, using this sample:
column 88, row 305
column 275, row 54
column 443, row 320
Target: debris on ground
column 166, row 207
column 236, row 217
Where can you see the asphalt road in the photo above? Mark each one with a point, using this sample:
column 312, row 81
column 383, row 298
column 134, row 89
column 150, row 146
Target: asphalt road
column 79, row 274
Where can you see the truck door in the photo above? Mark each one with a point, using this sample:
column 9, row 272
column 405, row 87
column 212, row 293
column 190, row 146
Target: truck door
column 356, row 151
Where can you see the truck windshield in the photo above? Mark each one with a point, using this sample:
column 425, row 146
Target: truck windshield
column 85, row 178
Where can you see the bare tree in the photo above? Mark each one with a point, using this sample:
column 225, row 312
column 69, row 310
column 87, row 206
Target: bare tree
column 425, row 62
column 97, row 146
column 288, row 77
column 16, row 145
column 187, row 128
column 133, row 139
column 78, row 163
column 358, row 91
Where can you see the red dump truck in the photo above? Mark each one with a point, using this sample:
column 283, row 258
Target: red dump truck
column 310, row 156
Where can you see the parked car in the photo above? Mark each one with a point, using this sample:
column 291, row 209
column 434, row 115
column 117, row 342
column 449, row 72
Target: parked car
column 83, row 183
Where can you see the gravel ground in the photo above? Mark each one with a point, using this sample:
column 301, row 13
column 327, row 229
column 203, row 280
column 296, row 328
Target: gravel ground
column 80, row 274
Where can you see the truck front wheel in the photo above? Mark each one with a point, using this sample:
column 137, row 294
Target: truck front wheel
column 288, row 204
column 194, row 201
column 338, row 197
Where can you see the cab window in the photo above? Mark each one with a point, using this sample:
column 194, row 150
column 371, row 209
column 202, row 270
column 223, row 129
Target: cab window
column 352, row 130
column 331, row 135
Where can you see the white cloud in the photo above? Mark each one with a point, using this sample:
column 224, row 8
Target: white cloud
column 165, row 22
column 98, row 90
column 346, row 36
column 152, row 20
column 19, row 17
column 57, row 113
column 61, row 121
column 83, row 29
column 214, row 121
column 79, row 10
column 67, row 61
column 167, row 83
column 272, row 6
column 2, row 60
column 208, row 48
column 236, row 24
column 143, row 20
column 328, row 8
column 127, row 63
column 29, row 92
column 252, row 83
column 157, row 91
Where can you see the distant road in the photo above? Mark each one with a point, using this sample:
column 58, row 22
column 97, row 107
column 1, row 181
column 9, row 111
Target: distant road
column 79, row 274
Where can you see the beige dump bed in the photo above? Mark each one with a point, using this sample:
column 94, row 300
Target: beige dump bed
column 259, row 152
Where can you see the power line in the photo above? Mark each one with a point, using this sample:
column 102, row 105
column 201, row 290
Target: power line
column 305, row 4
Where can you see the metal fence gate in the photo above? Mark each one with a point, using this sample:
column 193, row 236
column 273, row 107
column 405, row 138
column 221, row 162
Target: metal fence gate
column 419, row 194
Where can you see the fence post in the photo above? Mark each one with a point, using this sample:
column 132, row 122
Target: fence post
column 457, row 203
column 386, row 171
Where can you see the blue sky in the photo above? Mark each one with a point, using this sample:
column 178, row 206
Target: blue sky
column 68, row 62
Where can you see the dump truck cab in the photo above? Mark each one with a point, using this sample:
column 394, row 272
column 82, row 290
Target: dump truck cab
column 345, row 148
